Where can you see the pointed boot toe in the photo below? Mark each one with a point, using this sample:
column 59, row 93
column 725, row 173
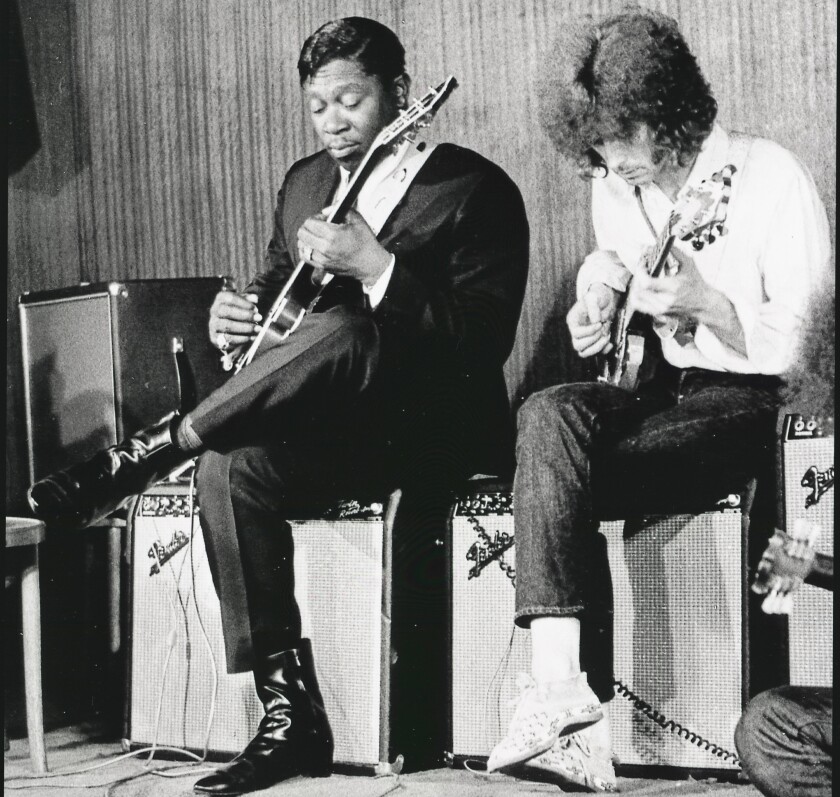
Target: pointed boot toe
column 89, row 491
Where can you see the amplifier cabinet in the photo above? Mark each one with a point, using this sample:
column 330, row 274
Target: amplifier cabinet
column 808, row 464
column 173, row 669
column 678, row 634
column 98, row 362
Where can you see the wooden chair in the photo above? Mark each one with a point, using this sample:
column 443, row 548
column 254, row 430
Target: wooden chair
column 24, row 535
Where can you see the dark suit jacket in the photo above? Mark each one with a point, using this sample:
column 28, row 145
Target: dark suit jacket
column 449, row 316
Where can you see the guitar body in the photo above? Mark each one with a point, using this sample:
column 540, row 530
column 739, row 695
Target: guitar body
column 622, row 366
column 297, row 298
column 632, row 360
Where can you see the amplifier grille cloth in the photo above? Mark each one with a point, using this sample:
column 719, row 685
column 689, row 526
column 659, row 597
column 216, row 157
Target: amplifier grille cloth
column 339, row 576
column 678, row 635
column 811, row 622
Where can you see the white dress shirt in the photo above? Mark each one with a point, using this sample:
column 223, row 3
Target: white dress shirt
column 775, row 252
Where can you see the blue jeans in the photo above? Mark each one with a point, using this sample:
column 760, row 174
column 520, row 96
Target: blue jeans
column 784, row 740
column 590, row 451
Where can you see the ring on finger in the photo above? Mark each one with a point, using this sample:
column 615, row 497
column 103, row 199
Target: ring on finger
column 307, row 253
column 222, row 342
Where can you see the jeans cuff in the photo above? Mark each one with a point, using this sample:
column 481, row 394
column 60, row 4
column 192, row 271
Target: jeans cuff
column 523, row 616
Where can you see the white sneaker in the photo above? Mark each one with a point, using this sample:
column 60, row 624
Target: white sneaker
column 582, row 759
column 543, row 713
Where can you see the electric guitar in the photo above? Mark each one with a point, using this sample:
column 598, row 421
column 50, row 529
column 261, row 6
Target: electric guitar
column 304, row 286
column 698, row 217
column 789, row 561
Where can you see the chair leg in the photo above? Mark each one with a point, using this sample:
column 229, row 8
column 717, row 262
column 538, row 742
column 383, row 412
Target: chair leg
column 31, row 609
column 114, row 558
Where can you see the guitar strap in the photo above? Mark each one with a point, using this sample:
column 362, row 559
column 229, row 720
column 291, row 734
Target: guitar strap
column 637, row 191
column 383, row 199
column 739, row 147
column 377, row 205
column 392, row 189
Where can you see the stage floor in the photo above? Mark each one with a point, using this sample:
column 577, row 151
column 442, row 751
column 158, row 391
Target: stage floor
column 75, row 748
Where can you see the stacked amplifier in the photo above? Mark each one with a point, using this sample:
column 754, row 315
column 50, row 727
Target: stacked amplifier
column 808, row 464
column 98, row 362
column 181, row 696
column 678, row 632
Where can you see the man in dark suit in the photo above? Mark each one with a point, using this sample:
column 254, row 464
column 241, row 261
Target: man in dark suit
column 394, row 380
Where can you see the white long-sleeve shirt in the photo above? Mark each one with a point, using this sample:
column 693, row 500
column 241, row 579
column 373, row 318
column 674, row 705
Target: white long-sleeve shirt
column 774, row 254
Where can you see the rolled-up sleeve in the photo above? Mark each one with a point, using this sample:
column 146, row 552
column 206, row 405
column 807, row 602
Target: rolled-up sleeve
column 605, row 267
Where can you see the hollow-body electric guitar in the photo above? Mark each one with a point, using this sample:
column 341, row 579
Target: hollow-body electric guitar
column 305, row 284
column 698, row 217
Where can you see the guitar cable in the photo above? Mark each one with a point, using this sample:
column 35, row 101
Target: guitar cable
column 645, row 708
column 23, row 782
column 640, row 705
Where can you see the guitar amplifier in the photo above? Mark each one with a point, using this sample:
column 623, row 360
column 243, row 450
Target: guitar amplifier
column 808, row 464
column 678, row 634
column 98, row 363
column 177, row 657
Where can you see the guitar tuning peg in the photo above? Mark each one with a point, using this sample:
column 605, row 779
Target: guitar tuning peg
column 697, row 244
column 721, row 229
column 710, row 238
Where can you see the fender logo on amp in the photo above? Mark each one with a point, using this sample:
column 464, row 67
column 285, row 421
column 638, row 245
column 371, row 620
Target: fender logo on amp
column 161, row 553
column 489, row 549
column 818, row 482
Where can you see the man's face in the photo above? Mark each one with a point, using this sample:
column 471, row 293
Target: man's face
column 349, row 107
column 633, row 158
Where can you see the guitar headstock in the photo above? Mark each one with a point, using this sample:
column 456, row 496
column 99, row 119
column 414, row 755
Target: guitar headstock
column 700, row 215
column 418, row 115
column 784, row 565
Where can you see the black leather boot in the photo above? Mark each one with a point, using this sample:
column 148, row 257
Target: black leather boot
column 91, row 490
column 294, row 736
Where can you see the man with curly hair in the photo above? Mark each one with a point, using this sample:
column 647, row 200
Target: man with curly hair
column 625, row 99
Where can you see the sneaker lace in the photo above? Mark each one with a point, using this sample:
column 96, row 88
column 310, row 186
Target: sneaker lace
column 575, row 740
column 526, row 724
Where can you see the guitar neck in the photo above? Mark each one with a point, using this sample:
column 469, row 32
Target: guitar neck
column 822, row 572
column 664, row 243
column 354, row 186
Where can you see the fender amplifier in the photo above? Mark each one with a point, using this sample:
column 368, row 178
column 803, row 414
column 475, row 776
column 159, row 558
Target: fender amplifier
column 808, row 464
column 678, row 634
column 179, row 693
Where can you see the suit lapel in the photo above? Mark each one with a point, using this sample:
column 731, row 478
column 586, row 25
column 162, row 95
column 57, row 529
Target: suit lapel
column 312, row 195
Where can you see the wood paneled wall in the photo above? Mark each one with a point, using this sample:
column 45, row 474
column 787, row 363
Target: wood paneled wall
column 167, row 126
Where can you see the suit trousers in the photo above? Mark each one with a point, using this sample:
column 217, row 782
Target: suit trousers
column 591, row 451
column 284, row 439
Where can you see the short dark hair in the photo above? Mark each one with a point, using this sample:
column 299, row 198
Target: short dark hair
column 373, row 46
column 604, row 78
